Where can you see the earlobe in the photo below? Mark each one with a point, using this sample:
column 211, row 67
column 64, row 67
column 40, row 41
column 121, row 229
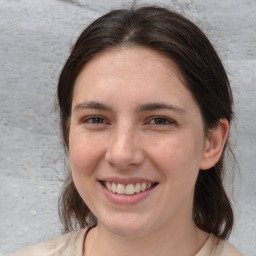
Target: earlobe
column 214, row 145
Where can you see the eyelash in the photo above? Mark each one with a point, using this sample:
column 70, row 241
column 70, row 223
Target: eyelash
column 161, row 120
column 157, row 120
column 95, row 120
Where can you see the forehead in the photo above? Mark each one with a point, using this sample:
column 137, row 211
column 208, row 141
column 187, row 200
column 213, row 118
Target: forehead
column 128, row 58
column 137, row 72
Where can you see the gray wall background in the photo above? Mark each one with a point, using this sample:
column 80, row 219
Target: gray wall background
column 35, row 38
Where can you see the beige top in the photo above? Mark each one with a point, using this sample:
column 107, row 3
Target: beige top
column 71, row 244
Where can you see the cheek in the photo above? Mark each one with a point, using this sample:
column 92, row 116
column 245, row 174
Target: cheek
column 84, row 161
column 83, row 154
column 178, row 156
column 78, row 153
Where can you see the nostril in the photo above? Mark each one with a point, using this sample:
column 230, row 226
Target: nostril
column 122, row 157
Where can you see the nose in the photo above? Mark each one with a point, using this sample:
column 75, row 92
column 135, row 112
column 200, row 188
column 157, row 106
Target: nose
column 124, row 149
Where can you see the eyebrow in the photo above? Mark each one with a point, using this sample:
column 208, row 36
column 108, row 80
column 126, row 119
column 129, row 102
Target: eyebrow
column 141, row 108
column 92, row 105
column 158, row 106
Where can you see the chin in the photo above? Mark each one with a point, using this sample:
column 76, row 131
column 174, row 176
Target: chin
column 126, row 228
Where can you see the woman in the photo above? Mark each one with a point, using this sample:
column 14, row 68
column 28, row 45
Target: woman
column 145, row 110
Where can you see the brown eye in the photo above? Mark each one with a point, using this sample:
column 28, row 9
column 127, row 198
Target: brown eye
column 161, row 121
column 95, row 120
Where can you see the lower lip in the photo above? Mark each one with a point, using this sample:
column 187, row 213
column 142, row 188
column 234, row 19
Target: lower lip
column 127, row 199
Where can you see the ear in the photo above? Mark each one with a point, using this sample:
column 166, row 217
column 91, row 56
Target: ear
column 214, row 145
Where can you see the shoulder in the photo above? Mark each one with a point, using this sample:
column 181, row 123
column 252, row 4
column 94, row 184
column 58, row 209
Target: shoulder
column 62, row 245
column 230, row 250
column 218, row 247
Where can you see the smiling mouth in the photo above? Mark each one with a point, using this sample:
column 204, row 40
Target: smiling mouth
column 129, row 189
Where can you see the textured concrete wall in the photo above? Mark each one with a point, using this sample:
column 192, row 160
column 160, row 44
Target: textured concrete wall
column 35, row 37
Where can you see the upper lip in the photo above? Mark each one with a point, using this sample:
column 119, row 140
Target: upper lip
column 126, row 181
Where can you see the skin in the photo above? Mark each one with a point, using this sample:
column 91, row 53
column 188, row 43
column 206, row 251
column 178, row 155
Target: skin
column 121, row 136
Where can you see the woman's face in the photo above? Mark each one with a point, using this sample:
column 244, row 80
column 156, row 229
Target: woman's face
column 136, row 141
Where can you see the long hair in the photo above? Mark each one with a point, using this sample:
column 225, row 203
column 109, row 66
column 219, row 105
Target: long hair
column 171, row 34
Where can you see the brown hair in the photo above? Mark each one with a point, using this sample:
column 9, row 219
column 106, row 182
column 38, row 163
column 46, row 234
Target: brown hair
column 184, row 43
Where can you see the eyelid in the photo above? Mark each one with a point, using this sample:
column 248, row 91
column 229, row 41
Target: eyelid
column 86, row 119
column 170, row 120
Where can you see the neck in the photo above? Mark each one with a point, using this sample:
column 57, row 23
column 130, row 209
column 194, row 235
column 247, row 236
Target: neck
column 179, row 240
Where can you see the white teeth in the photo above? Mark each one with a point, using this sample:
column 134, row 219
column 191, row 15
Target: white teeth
column 114, row 187
column 143, row 186
column 120, row 189
column 108, row 185
column 137, row 188
column 129, row 189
